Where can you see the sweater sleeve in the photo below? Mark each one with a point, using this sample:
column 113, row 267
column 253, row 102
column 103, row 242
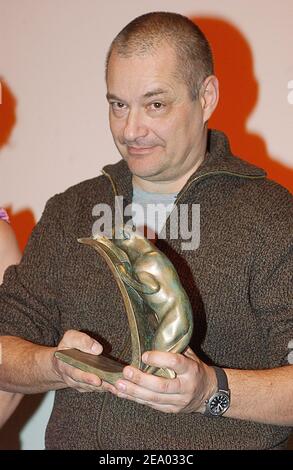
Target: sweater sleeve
column 29, row 293
column 271, row 283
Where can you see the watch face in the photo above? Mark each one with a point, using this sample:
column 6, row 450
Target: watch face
column 219, row 404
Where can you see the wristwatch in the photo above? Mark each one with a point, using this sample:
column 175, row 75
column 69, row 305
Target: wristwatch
column 219, row 402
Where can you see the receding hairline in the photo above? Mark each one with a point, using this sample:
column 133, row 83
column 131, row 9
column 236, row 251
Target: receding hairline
column 157, row 89
column 127, row 51
column 147, row 33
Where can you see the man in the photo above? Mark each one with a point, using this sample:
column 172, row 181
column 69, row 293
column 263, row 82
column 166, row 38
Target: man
column 161, row 92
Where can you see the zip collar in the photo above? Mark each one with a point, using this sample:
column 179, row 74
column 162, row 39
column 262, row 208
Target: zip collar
column 219, row 160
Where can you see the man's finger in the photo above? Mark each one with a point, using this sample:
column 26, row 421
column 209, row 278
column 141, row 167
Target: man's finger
column 88, row 381
column 147, row 381
column 176, row 362
column 81, row 341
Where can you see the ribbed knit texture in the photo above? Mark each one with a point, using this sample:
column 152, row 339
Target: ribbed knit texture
column 239, row 282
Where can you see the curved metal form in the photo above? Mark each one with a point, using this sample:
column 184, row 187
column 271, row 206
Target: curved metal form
column 157, row 307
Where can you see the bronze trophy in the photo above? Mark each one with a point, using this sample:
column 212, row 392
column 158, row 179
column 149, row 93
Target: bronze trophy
column 158, row 309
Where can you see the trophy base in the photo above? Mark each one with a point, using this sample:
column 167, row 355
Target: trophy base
column 107, row 369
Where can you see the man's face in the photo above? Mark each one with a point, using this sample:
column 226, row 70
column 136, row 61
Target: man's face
column 157, row 127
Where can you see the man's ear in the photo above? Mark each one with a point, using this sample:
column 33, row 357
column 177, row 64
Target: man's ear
column 209, row 96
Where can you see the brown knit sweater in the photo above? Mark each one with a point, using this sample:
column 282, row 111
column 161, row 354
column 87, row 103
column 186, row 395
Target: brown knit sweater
column 239, row 282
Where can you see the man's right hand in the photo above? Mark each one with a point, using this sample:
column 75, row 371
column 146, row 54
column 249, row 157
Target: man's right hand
column 76, row 378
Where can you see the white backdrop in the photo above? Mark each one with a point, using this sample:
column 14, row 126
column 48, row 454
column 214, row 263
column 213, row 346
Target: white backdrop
column 52, row 56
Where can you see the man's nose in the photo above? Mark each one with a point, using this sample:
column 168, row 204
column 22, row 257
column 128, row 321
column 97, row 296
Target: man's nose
column 135, row 127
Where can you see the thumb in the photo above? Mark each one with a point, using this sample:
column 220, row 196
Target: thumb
column 82, row 341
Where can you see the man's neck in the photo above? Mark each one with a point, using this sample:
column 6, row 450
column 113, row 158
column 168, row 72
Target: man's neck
column 165, row 187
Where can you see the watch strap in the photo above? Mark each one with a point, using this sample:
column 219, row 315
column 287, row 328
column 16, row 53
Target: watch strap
column 222, row 379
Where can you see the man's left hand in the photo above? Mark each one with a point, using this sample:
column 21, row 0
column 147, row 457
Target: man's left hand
column 194, row 383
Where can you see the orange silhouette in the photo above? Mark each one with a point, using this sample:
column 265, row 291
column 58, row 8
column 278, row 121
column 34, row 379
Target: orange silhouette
column 23, row 222
column 7, row 112
column 238, row 96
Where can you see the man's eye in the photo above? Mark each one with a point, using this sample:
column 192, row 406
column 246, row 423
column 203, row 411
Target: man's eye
column 157, row 105
column 118, row 105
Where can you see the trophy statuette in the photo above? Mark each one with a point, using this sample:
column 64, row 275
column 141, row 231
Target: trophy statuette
column 157, row 307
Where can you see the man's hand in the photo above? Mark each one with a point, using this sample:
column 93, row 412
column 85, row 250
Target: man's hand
column 76, row 378
column 194, row 383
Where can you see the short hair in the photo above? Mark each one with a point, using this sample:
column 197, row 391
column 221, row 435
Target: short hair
column 147, row 32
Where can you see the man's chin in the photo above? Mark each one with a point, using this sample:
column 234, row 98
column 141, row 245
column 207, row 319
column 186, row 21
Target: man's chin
column 140, row 167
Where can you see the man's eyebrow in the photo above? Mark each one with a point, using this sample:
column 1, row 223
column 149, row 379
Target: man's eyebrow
column 110, row 96
column 157, row 91
column 148, row 94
